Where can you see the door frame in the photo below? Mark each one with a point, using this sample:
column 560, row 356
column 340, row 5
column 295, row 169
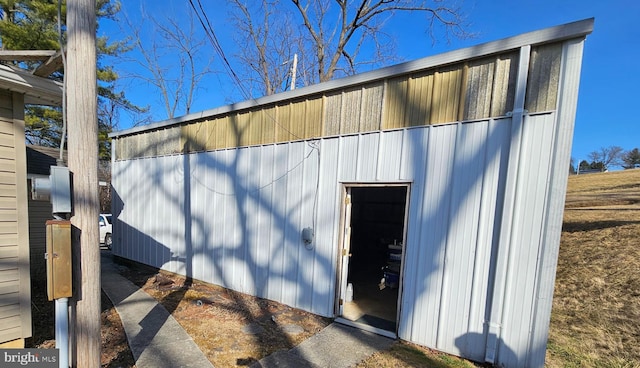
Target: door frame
column 344, row 243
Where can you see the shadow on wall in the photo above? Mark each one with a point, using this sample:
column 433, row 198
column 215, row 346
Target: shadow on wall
column 505, row 355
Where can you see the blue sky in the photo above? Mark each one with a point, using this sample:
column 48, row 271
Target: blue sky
column 609, row 78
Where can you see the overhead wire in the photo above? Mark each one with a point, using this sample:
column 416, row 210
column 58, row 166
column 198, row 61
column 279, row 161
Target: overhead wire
column 210, row 33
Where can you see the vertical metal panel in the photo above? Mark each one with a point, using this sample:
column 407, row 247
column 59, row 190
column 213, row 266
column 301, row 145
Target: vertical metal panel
column 333, row 114
column 479, row 89
column 269, row 124
column 394, row 103
column 313, row 118
column 447, row 85
column 297, row 119
column 351, row 111
column 389, row 155
column 528, row 217
column 419, row 99
column 461, row 246
column 372, row 98
column 424, row 276
column 567, row 102
column 327, row 230
column 504, row 84
column 542, row 88
column 367, row 160
column 283, row 132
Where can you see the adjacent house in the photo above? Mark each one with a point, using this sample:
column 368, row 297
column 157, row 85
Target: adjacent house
column 423, row 200
column 17, row 88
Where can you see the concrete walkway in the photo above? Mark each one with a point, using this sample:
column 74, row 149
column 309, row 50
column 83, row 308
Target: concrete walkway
column 336, row 346
column 155, row 338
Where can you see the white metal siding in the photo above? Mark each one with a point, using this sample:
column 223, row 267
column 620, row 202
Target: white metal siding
column 249, row 205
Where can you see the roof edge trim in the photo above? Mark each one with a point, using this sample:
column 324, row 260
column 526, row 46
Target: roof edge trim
column 37, row 90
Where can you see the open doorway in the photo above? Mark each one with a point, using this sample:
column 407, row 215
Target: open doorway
column 375, row 218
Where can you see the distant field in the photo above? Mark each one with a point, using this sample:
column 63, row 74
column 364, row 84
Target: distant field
column 595, row 320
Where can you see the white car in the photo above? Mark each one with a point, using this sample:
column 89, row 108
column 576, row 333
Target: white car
column 105, row 229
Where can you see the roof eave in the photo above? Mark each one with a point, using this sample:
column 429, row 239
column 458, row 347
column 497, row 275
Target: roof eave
column 37, row 90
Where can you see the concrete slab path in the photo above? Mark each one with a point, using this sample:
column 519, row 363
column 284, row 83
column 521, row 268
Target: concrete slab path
column 336, row 346
column 155, row 337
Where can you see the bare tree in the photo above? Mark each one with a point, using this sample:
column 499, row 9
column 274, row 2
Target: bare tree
column 608, row 156
column 171, row 61
column 335, row 38
column 271, row 44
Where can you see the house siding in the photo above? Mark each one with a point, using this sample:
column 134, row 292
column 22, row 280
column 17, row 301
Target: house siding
column 15, row 289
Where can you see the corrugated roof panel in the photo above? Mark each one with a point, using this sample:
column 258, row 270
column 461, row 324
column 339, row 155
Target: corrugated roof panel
column 544, row 71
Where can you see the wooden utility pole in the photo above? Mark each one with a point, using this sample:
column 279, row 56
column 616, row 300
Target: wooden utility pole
column 83, row 163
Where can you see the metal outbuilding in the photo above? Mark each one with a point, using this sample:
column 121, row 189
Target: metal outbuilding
column 422, row 200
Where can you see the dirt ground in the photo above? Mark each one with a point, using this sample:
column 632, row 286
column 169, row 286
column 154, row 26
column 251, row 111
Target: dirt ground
column 115, row 349
column 232, row 329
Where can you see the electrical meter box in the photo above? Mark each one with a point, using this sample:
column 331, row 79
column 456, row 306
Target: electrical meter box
column 60, row 189
column 58, row 258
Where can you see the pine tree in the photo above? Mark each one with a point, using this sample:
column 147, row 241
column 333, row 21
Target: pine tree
column 33, row 25
column 631, row 159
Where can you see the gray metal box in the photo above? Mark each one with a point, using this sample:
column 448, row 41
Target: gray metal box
column 60, row 189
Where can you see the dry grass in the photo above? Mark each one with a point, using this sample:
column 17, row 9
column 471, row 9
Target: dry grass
column 595, row 319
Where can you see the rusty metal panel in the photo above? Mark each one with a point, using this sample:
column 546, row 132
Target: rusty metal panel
column 544, row 74
column 394, row 104
column 332, row 114
column 418, row 102
column 447, row 85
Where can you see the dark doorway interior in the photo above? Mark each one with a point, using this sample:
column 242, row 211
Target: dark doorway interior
column 377, row 231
